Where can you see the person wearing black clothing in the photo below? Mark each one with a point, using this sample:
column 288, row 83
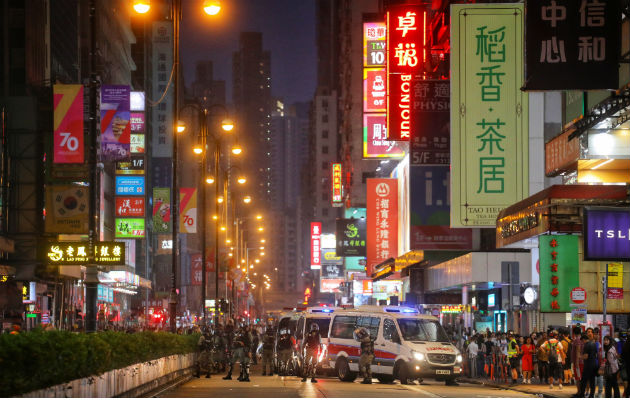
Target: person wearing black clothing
column 611, row 368
column 312, row 346
column 284, row 351
column 625, row 356
column 269, row 338
column 589, row 354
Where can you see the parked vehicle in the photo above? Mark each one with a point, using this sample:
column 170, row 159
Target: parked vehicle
column 407, row 345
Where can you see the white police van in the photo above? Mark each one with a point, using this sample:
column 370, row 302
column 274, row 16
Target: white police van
column 321, row 316
column 408, row 345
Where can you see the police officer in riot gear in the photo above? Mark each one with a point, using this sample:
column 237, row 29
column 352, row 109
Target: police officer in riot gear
column 218, row 349
column 240, row 352
column 311, row 350
column 285, row 351
column 204, row 346
column 268, row 341
column 367, row 353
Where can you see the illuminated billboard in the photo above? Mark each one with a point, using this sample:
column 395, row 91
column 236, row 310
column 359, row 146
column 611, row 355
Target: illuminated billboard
column 76, row 253
column 316, row 245
column 130, row 228
column 337, row 193
column 375, row 143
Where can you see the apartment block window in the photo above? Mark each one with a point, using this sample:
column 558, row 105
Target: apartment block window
column 324, row 197
column 325, row 134
column 324, row 149
column 324, row 165
column 325, row 118
column 325, row 212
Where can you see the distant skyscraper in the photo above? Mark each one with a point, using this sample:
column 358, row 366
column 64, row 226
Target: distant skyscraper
column 252, row 102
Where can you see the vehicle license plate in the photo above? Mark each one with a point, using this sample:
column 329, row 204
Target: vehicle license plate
column 443, row 371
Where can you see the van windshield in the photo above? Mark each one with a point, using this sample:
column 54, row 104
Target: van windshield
column 423, row 330
column 289, row 323
column 323, row 324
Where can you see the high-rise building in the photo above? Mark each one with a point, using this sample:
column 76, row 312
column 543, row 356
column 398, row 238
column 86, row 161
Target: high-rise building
column 252, row 101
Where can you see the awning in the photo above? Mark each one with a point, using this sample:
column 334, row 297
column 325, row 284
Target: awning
column 384, row 269
column 408, row 259
column 557, row 208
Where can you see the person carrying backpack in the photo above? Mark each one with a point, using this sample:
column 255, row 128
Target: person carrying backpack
column 554, row 351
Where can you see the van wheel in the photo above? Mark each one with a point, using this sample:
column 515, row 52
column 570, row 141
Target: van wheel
column 343, row 371
column 385, row 378
column 401, row 372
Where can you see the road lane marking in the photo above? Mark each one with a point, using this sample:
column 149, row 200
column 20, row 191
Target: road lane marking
column 422, row 391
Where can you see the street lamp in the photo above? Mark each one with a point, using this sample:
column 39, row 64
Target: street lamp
column 212, row 8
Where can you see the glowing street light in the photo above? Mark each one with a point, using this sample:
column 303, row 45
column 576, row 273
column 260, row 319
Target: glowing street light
column 260, row 229
column 220, row 199
column 247, row 199
column 210, row 180
column 227, row 125
column 181, row 126
column 259, row 217
column 241, row 180
column 142, row 6
column 236, row 150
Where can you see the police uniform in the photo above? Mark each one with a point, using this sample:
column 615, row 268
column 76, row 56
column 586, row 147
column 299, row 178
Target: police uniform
column 204, row 359
column 367, row 354
column 285, row 352
column 267, row 351
column 218, row 344
column 240, row 353
column 311, row 352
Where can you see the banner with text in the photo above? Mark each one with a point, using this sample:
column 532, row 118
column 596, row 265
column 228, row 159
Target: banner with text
column 115, row 126
column 382, row 221
column 68, row 124
column 489, row 125
column 188, row 210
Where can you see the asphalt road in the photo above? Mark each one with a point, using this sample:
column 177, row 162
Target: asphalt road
column 276, row 387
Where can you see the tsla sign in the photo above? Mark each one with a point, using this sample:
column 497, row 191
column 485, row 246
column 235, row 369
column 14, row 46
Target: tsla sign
column 606, row 233
column 316, row 245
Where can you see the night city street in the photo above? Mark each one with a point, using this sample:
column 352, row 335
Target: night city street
column 314, row 198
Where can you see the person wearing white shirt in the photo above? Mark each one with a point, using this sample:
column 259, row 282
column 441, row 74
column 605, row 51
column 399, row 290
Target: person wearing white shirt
column 473, row 349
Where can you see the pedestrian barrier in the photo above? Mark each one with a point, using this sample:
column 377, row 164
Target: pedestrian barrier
column 132, row 381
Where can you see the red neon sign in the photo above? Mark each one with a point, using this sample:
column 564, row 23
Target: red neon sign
column 337, row 200
column 316, row 247
column 406, row 54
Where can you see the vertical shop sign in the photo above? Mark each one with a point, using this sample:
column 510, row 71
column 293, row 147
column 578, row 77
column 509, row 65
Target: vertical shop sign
column 115, row 126
column 382, row 221
column 406, row 55
column 337, row 193
column 162, row 116
column 559, row 271
column 188, row 210
column 68, row 124
column 430, row 140
column 316, row 234
column 572, row 44
column 374, row 42
column 489, row 122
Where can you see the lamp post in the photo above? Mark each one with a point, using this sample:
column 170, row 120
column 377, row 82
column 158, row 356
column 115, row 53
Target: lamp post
column 211, row 7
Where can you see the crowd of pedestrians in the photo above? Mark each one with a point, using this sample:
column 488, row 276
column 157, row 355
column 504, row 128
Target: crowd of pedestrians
column 596, row 366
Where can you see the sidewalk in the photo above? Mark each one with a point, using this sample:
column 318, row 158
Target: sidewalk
column 535, row 389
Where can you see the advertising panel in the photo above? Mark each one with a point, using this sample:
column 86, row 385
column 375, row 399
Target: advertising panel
column 162, row 63
column 67, row 209
column 327, row 285
column 568, row 40
column 336, row 189
column 130, row 185
column 406, row 55
column 136, row 144
column 561, row 154
column 430, row 140
column 76, row 253
column 374, row 90
column 316, row 233
column 615, row 281
column 430, row 211
column 350, row 235
column 559, row 271
column 162, row 210
column 374, row 41
column 329, row 256
column 130, row 228
column 332, row 271
column 115, row 126
column 133, row 166
column 606, row 233
column 382, row 221
column 375, row 143
column 130, row 206
column 68, row 124
column 137, row 101
column 489, row 141
column 188, row 210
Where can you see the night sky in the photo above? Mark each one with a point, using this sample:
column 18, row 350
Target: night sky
column 288, row 28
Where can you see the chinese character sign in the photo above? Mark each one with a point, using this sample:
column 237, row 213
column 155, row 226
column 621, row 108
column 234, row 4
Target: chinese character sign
column 374, row 81
column 489, row 124
column 615, row 281
column 68, row 124
column 559, row 270
column 130, row 228
column 351, row 237
column 337, row 193
column 130, row 206
column 375, row 143
column 316, row 245
column 115, row 126
column 406, row 55
column 374, row 42
column 76, row 253
column 572, row 44
column 162, row 115
column 382, row 221
column 430, row 140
